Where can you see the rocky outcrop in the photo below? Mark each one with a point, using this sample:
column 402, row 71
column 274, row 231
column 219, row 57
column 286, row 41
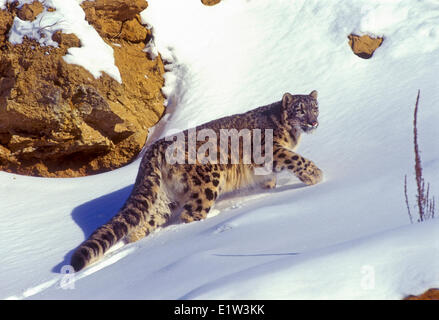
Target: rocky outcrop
column 56, row 119
column 364, row 46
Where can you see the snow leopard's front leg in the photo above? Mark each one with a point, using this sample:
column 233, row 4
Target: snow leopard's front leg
column 304, row 169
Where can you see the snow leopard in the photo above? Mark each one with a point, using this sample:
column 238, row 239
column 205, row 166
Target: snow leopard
column 165, row 192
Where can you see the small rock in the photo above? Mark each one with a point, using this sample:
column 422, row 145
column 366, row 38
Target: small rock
column 210, row 2
column 30, row 11
column 133, row 31
column 431, row 294
column 66, row 39
column 364, row 46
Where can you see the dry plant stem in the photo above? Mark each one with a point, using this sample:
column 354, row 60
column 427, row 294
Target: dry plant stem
column 429, row 204
column 426, row 206
column 418, row 167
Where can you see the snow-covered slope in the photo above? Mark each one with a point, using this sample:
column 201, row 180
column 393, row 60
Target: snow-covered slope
column 348, row 237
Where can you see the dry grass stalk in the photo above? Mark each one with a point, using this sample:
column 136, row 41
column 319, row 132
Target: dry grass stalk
column 426, row 206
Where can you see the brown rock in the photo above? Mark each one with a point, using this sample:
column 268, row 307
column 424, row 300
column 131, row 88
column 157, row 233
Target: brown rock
column 30, row 11
column 105, row 26
column 430, row 294
column 66, row 39
column 210, row 2
column 6, row 20
column 133, row 31
column 117, row 19
column 364, row 46
column 120, row 10
column 95, row 110
column 56, row 119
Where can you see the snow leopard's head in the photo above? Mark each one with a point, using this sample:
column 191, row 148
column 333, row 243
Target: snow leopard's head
column 301, row 111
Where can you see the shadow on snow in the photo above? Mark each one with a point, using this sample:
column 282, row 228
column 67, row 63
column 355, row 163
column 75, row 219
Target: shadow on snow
column 93, row 214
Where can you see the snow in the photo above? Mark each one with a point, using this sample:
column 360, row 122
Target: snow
column 94, row 54
column 347, row 238
column 380, row 265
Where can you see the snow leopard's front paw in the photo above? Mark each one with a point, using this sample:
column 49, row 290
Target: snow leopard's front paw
column 310, row 174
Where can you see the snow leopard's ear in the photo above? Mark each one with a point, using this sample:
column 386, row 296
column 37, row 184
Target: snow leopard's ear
column 314, row 94
column 287, row 99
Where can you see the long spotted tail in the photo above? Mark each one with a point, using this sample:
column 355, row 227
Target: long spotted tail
column 100, row 241
column 145, row 210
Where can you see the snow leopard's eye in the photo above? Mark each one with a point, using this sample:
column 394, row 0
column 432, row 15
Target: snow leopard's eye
column 300, row 109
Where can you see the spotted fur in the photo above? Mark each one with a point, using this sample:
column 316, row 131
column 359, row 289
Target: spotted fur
column 163, row 191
